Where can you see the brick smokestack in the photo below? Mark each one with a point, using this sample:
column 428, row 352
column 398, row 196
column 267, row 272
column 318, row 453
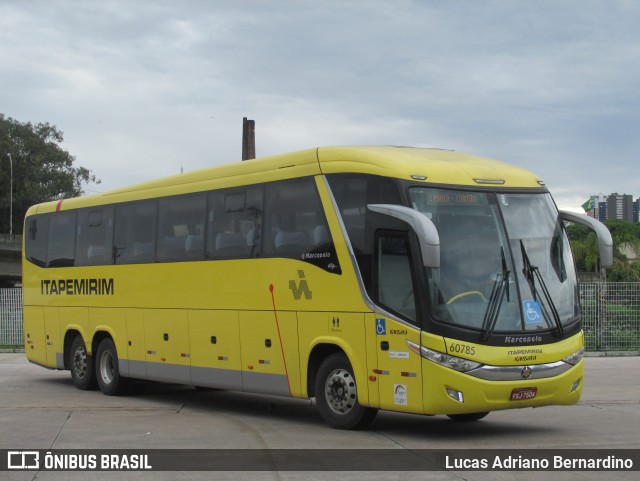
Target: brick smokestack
column 248, row 139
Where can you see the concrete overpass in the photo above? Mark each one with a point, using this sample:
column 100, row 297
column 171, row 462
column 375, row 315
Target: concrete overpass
column 10, row 258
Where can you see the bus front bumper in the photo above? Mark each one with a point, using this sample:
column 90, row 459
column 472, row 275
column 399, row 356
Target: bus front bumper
column 447, row 391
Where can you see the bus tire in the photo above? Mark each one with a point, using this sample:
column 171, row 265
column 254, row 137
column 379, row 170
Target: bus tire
column 336, row 395
column 83, row 373
column 465, row 418
column 108, row 375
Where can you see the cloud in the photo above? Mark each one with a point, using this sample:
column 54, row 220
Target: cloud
column 141, row 88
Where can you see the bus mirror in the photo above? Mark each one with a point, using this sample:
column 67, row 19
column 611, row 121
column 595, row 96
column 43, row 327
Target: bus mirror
column 605, row 243
column 422, row 226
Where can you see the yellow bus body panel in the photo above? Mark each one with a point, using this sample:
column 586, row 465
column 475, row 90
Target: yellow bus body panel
column 34, row 335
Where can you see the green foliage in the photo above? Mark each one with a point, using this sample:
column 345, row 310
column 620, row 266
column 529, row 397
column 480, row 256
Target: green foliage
column 42, row 170
column 623, row 271
column 584, row 245
column 625, row 235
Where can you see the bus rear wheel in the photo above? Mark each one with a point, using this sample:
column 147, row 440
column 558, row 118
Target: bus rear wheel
column 337, row 397
column 81, row 365
column 464, row 418
column 108, row 375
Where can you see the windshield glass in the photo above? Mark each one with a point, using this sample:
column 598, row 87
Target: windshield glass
column 536, row 235
column 477, row 285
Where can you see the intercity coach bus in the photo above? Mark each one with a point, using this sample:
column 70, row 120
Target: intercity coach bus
column 406, row 279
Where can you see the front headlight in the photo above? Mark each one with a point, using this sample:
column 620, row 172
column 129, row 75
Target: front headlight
column 575, row 358
column 457, row 363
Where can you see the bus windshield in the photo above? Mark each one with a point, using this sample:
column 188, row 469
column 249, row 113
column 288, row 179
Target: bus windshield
column 505, row 262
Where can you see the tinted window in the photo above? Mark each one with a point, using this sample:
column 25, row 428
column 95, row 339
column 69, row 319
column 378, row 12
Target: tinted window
column 234, row 222
column 352, row 194
column 37, row 228
column 135, row 233
column 62, row 239
column 95, row 236
column 295, row 224
column 394, row 281
column 181, row 228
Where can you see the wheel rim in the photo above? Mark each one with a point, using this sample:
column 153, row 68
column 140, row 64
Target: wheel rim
column 340, row 391
column 80, row 362
column 106, row 367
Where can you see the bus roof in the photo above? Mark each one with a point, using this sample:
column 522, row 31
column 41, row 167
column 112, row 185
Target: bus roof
column 431, row 166
column 437, row 166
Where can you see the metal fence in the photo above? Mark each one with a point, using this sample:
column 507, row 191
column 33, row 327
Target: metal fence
column 611, row 314
column 11, row 318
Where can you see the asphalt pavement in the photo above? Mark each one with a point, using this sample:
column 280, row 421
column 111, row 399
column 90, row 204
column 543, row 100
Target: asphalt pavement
column 41, row 410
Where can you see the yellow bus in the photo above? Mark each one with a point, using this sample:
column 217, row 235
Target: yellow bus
column 405, row 279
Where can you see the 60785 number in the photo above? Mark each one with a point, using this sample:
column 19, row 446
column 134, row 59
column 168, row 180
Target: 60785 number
column 458, row 348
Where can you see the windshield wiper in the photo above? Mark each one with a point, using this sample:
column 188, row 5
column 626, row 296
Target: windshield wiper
column 500, row 287
column 532, row 274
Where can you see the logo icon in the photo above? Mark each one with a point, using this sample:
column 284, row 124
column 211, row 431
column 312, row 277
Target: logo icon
column 400, row 394
column 23, row 460
column 526, row 372
column 532, row 311
column 301, row 288
column 381, row 327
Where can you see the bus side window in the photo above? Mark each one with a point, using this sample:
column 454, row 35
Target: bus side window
column 37, row 228
column 181, row 228
column 394, row 279
column 135, row 233
column 95, row 237
column 352, row 193
column 234, row 221
column 293, row 212
column 62, row 239
column 296, row 226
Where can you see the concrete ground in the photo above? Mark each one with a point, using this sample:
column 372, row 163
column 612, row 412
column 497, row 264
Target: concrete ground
column 41, row 409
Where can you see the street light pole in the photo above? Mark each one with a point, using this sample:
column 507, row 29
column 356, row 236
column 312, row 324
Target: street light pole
column 10, row 195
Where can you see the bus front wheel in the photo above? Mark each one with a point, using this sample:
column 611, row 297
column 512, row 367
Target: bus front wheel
column 81, row 365
column 110, row 381
column 337, row 397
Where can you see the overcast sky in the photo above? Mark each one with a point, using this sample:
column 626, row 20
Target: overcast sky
column 142, row 89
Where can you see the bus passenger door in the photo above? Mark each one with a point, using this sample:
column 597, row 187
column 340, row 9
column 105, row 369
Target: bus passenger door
column 398, row 370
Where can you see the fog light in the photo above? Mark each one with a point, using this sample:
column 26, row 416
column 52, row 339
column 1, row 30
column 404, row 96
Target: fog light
column 455, row 394
column 575, row 386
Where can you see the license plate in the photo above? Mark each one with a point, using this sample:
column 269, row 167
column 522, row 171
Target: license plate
column 523, row 393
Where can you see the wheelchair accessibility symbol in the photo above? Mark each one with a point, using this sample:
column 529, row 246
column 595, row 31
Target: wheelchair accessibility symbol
column 381, row 327
column 532, row 311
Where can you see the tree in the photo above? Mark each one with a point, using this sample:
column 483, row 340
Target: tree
column 42, row 170
column 625, row 235
column 584, row 246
